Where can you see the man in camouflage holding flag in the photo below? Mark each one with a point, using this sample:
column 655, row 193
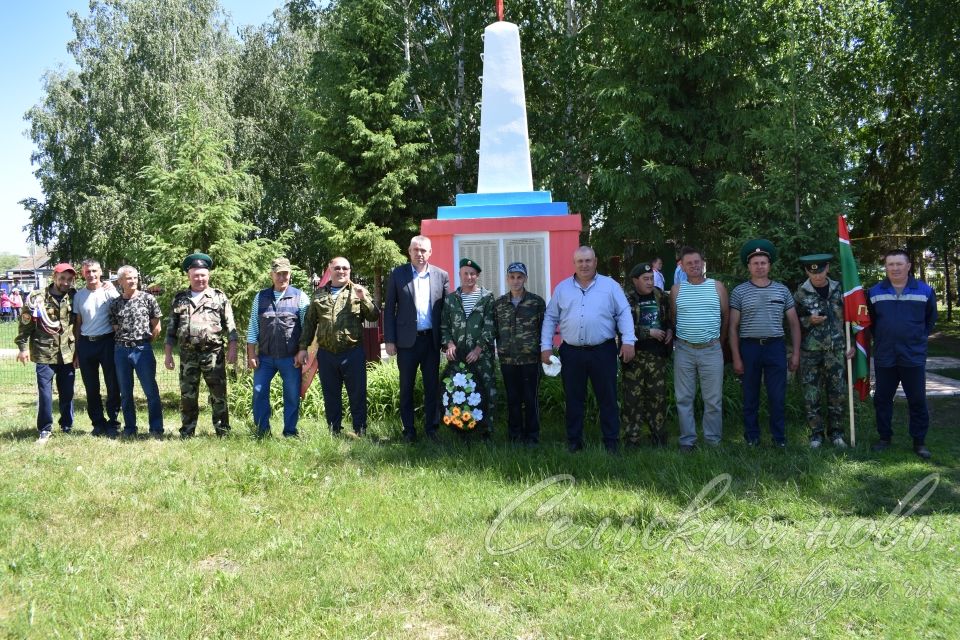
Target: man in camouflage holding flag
column 819, row 303
column 200, row 319
column 643, row 383
column 46, row 337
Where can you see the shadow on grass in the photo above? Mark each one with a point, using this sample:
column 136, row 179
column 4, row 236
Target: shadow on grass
column 851, row 482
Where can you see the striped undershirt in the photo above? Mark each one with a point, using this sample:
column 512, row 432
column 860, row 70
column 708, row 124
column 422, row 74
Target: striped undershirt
column 698, row 312
column 761, row 309
column 470, row 301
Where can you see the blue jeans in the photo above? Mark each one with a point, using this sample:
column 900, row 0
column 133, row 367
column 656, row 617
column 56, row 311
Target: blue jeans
column 262, row 376
column 139, row 359
column 914, row 381
column 769, row 362
column 337, row 370
column 690, row 365
column 598, row 364
column 93, row 355
column 65, row 376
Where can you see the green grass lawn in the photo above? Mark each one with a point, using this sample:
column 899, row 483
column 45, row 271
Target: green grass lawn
column 339, row 538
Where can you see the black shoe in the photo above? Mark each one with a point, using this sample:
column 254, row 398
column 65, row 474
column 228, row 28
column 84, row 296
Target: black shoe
column 880, row 445
column 361, row 432
column 922, row 451
column 156, row 435
column 612, row 448
column 687, row 448
column 753, row 443
column 128, row 433
column 336, row 433
column 779, row 445
column 573, row 447
column 294, row 434
column 433, row 437
column 409, row 437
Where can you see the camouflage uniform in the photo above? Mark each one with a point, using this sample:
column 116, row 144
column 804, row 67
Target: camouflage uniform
column 643, row 383
column 336, row 321
column 198, row 327
column 822, row 359
column 46, row 329
column 469, row 332
column 45, row 347
column 518, row 348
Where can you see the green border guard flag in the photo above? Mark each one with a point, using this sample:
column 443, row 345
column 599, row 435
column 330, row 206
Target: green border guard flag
column 855, row 311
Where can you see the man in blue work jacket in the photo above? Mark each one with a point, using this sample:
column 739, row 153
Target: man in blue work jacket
column 903, row 311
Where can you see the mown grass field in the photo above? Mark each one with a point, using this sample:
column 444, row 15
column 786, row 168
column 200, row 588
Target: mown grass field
column 338, row 538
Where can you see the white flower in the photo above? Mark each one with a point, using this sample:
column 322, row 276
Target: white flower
column 474, row 399
column 446, row 399
column 477, row 415
column 459, row 380
column 459, row 397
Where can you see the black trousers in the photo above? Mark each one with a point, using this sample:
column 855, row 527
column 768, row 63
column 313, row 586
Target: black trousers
column 425, row 356
column 522, row 383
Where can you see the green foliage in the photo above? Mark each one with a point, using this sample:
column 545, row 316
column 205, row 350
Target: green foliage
column 138, row 62
column 367, row 148
column 661, row 123
column 8, row 261
column 197, row 205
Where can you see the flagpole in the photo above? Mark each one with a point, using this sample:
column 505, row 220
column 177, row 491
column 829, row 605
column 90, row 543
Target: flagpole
column 853, row 431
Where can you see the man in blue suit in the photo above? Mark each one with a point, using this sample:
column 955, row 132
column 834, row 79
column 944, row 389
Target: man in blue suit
column 411, row 330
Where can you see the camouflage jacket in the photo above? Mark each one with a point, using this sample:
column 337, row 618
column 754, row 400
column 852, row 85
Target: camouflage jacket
column 468, row 332
column 518, row 328
column 645, row 319
column 200, row 324
column 829, row 335
column 336, row 321
column 46, row 327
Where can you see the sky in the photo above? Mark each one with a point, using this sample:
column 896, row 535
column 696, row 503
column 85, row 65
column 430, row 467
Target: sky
column 33, row 40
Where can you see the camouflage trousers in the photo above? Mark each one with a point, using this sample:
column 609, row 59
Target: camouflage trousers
column 488, row 380
column 210, row 365
column 643, row 398
column 824, row 369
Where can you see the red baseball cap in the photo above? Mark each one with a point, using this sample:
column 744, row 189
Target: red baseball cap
column 64, row 266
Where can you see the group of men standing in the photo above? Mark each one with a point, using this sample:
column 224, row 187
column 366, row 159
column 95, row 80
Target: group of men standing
column 99, row 329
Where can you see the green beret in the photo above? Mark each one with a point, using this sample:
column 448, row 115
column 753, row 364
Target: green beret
column 816, row 262
column 640, row 269
column 757, row 247
column 467, row 262
column 197, row 260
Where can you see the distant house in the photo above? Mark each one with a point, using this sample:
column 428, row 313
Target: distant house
column 30, row 273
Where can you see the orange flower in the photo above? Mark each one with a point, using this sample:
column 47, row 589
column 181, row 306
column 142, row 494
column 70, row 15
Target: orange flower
column 472, row 424
column 456, row 411
column 457, row 423
column 466, row 416
column 446, row 420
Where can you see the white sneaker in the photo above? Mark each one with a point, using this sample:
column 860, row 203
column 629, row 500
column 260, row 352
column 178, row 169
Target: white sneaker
column 44, row 436
column 839, row 442
column 815, row 442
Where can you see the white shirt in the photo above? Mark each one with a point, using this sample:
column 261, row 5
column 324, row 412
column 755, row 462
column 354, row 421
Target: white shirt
column 93, row 307
column 421, row 288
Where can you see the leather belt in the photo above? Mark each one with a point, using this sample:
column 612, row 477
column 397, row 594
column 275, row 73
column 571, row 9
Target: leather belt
column 698, row 345
column 762, row 341
column 102, row 336
column 425, row 332
column 589, row 347
column 129, row 344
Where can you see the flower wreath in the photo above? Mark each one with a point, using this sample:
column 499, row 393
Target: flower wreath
column 462, row 399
